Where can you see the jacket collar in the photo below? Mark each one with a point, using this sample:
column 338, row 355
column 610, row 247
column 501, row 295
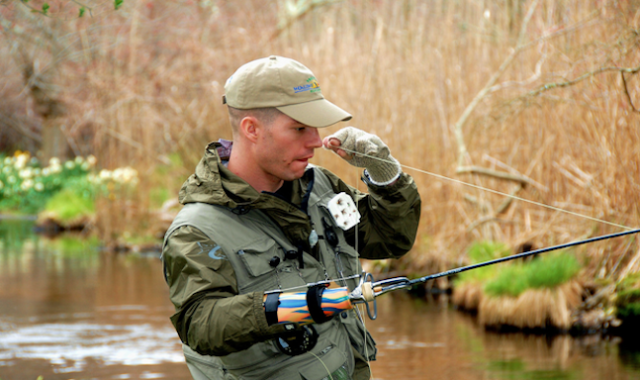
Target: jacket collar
column 214, row 183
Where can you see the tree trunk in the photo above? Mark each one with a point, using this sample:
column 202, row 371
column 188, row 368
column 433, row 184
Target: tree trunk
column 54, row 142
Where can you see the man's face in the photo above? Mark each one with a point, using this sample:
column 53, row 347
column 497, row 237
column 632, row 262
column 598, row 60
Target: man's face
column 285, row 147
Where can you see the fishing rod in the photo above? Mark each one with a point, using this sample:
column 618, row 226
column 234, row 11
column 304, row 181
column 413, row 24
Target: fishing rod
column 319, row 303
column 368, row 289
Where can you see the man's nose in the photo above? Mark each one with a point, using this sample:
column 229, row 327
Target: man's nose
column 314, row 138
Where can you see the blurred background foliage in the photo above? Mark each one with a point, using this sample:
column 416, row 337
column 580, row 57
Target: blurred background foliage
column 534, row 98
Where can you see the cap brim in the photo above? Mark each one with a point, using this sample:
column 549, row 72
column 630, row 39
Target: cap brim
column 317, row 113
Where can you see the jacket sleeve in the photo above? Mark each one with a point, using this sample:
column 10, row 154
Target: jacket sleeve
column 389, row 217
column 210, row 317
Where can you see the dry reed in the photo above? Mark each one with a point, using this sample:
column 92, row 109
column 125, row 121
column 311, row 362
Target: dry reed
column 468, row 296
column 535, row 308
column 145, row 82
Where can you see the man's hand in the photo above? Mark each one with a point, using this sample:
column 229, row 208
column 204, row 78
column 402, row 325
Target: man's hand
column 365, row 150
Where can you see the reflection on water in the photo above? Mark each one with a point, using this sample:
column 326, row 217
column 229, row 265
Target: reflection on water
column 421, row 340
column 73, row 342
column 69, row 311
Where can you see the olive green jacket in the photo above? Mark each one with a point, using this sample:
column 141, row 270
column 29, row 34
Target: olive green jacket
column 212, row 316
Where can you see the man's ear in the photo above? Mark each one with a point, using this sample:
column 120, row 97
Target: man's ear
column 250, row 128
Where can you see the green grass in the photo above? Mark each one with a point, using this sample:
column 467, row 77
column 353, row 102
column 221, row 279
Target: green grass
column 628, row 297
column 68, row 205
column 544, row 272
column 480, row 252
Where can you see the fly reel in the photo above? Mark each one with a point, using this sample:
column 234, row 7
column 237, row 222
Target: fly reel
column 297, row 342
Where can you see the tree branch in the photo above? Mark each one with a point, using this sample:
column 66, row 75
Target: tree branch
column 496, row 174
column 484, row 220
column 462, row 149
column 550, row 86
column 294, row 12
column 626, row 91
column 17, row 125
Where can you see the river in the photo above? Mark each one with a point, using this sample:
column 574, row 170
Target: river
column 70, row 311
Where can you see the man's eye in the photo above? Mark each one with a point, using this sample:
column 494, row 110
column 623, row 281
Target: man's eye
column 300, row 129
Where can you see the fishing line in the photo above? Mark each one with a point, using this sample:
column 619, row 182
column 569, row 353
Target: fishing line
column 357, row 263
column 491, row 190
column 324, row 365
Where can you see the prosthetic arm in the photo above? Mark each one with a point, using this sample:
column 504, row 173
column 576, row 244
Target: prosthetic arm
column 316, row 305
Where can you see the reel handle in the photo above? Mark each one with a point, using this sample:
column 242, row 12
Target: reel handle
column 368, row 295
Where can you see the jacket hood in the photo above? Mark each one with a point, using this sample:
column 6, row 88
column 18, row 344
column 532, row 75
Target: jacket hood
column 213, row 183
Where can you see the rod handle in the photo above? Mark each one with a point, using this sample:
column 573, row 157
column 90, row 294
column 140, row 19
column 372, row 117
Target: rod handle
column 367, row 291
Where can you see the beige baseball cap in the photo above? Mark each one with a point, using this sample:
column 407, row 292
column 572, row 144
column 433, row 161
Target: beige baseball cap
column 286, row 85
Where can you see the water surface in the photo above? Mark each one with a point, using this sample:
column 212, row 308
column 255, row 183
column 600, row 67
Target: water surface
column 69, row 311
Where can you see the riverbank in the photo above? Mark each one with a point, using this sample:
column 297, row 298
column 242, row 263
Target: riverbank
column 572, row 304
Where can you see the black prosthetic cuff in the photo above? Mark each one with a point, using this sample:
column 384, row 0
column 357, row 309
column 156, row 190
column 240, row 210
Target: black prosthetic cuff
column 271, row 308
column 314, row 303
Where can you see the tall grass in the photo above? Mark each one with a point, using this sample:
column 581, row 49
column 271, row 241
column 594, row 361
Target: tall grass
column 546, row 272
column 481, row 252
column 145, row 82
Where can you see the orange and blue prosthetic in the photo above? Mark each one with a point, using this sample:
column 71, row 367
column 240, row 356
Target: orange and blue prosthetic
column 316, row 305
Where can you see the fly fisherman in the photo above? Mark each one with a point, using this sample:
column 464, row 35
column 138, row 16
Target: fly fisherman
column 256, row 219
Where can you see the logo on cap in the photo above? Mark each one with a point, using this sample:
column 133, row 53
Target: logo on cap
column 311, row 86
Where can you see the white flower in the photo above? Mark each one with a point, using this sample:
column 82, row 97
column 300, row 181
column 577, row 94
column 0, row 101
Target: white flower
column 92, row 160
column 54, row 161
column 7, row 160
column 105, row 174
column 79, row 160
column 11, row 179
column 56, row 169
column 25, row 173
column 130, row 174
column 125, row 175
column 69, row 165
column 85, row 166
column 37, row 172
column 46, row 172
column 21, row 161
column 6, row 169
column 118, row 175
column 26, row 185
column 39, row 186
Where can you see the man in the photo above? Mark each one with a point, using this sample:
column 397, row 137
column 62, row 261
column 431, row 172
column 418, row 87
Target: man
column 256, row 219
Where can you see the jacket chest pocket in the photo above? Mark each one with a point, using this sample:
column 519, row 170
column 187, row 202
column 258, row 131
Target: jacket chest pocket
column 264, row 268
column 258, row 272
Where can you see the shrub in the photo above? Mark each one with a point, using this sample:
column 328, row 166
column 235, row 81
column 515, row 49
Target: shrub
column 545, row 272
column 68, row 205
column 68, row 189
column 26, row 186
